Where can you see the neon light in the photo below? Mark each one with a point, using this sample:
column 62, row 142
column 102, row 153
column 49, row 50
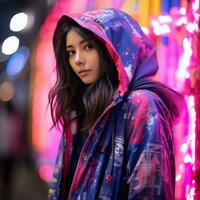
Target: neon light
column 165, row 18
column 45, row 172
column 18, row 22
column 191, row 27
column 187, row 159
column 195, row 5
column 181, row 21
column 145, row 30
column 155, row 23
column 178, row 177
column 184, row 147
column 182, row 11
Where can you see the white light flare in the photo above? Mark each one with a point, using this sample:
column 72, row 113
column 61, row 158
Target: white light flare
column 182, row 11
column 195, row 5
column 145, row 30
column 10, row 45
column 178, row 177
column 19, row 22
column 165, row 19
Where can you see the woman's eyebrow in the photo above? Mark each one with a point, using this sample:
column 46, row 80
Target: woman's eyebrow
column 81, row 42
column 69, row 46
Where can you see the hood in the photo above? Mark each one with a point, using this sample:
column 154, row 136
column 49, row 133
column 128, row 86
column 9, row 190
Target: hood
column 128, row 46
column 132, row 52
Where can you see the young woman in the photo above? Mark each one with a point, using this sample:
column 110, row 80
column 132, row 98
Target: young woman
column 117, row 122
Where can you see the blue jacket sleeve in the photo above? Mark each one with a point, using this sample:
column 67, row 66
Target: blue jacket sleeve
column 150, row 166
column 55, row 181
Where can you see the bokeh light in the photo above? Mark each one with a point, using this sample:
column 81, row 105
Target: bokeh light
column 17, row 61
column 18, row 22
column 6, row 91
column 10, row 45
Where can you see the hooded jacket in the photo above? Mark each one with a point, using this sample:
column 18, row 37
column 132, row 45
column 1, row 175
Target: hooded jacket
column 129, row 152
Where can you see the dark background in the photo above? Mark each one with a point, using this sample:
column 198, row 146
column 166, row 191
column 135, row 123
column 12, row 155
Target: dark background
column 19, row 178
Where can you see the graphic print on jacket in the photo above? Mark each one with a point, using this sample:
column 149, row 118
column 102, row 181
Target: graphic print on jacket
column 129, row 153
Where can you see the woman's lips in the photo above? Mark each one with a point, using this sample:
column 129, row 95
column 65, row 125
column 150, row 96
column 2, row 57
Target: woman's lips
column 84, row 72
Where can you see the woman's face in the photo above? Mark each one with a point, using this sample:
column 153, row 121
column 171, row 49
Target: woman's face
column 83, row 58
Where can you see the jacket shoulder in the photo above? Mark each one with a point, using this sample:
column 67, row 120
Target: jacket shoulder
column 141, row 104
column 142, row 99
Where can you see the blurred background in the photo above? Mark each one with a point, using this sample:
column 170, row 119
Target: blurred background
column 28, row 146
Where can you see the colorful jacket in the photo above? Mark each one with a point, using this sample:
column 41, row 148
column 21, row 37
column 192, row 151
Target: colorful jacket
column 129, row 152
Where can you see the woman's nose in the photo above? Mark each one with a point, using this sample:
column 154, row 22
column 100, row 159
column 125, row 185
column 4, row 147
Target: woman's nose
column 79, row 59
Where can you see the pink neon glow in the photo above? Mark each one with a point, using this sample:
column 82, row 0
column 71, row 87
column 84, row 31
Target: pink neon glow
column 187, row 47
column 196, row 17
column 190, row 192
column 161, row 26
column 155, row 23
column 145, row 30
column 178, row 177
column 187, row 159
column 165, row 19
column 184, row 61
column 182, row 70
column 181, row 167
column 187, row 75
column 192, row 125
column 45, row 172
column 188, row 148
column 195, row 5
column 184, row 147
column 182, row 11
column 191, row 140
column 156, row 31
column 191, row 27
column 181, row 21
column 161, row 30
column 165, row 29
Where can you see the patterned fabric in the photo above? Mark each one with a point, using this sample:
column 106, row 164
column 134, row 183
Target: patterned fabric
column 129, row 152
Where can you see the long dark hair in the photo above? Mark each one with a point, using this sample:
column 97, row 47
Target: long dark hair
column 69, row 93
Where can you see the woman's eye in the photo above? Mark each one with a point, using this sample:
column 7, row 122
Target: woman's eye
column 87, row 46
column 70, row 53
